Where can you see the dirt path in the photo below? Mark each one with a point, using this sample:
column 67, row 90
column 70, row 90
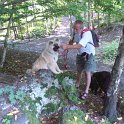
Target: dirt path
column 37, row 45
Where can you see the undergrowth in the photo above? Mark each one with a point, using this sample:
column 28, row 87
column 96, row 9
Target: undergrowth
column 108, row 52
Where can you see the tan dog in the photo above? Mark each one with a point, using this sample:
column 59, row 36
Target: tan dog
column 48, row 58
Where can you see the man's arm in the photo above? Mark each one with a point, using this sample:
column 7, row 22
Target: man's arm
column 75, row 46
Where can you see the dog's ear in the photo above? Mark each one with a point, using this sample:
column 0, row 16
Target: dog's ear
column 50, row 42
column 57, row 39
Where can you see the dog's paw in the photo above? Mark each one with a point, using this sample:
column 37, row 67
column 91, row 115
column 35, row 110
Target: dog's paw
column 30, row 72
column 61, row 71
column 33, row 73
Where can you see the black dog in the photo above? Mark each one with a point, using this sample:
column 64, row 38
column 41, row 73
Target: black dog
column 100, row 81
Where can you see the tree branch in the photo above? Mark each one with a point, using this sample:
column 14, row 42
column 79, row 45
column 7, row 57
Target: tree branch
column 12, row 3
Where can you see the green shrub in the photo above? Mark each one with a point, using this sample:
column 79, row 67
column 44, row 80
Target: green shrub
column 13, row 95
column 38, row 32
column 122, row 104
column 19, row 96
column 80, row 117
column 6, row 119
column 121, row 107
column 109, row 51
column 28, row 106
column 69, row 74
column 69, row 91
column 73, row 117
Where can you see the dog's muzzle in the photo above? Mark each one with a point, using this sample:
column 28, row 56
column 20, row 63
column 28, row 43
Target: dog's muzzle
column 56, row 47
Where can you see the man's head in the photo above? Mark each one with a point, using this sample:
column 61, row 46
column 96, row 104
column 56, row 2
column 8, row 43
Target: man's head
column 78, row 26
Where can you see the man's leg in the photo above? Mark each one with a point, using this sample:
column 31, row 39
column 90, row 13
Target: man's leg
column 90, row 66
column 79, row 65
column 78, row 78
column 88, row 81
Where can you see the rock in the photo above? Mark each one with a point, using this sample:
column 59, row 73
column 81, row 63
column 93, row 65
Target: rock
column 70, row 108
column 41, row 93
column 37, row 86
column 22, row 119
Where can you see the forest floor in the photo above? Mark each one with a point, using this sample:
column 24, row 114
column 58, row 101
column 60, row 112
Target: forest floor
column 22, row 54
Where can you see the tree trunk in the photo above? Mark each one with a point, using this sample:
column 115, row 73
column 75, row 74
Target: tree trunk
column 56, row 22
column 92, row 19
column 98, row 24
column 28, row 35
column 34, row 10
column 108, row 19
column 47, row 25
column 14, row 31
column 51, row 24
column 17, row 32
column 20, row 29
column 89, row 18
column 71, row 29
column 5, row 42
column 111, row 98
column 85, row 17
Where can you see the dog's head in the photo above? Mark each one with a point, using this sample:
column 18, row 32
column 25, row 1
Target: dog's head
column 54, row 44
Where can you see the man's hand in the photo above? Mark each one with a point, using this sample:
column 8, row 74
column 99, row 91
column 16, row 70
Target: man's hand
column 71, row 42
column 64, row 46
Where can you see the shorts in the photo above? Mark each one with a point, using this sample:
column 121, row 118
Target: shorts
column 87, row 65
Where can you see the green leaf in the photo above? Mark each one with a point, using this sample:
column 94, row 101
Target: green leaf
column 51, row 107
column 52, row 91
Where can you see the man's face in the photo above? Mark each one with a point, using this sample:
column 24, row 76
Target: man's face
column 77, row 28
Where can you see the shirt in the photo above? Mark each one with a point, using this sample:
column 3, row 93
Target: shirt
column 84, row 41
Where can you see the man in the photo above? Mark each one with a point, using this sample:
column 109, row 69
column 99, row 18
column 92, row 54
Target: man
column 85, row 60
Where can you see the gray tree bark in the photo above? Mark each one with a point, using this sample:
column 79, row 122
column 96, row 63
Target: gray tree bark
column 98, row 23
column 71, row 24
column 5, row 42
column 89, row 16
column 111, row 98
column 108, row 19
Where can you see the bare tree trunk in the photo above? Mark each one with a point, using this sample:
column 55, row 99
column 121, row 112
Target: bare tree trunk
column 27, row 25
column 5, row 42
column 111, row 98
column 71, row 29
column 85, row 17
column 17, row 32
column 89, row 18
column 98, row 23
column 108, row 19
column 14, row 30
column 20, row 29
column 92, row 19
column 56, row 22
column 47, row 25
column 34, row 10
column 28, row 35
column 51, row 24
